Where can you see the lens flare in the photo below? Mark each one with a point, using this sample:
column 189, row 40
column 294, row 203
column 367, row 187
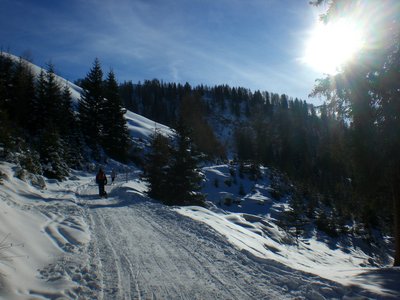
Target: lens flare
column 332, row 45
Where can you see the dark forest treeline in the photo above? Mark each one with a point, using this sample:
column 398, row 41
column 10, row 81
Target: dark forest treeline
column 312, row 145
column 367, row 91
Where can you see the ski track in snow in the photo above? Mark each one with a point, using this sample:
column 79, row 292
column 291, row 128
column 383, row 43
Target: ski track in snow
column 129, row 247
column 147, row 251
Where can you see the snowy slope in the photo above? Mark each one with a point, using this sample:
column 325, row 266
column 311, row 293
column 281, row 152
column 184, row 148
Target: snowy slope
column 62, row 241
column 250, row 221
column 67, row 243
column 141, row 127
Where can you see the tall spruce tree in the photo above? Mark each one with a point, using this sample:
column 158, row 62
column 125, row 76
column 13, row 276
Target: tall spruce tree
column 50, row 114
column 115, row 135
column 53, row 105
column 156, row 168
column 69, row 129
column 6, row 71
column 184, row 177
column 52, row 154
column 39, row 107
column 22, row 95
column 90, row 105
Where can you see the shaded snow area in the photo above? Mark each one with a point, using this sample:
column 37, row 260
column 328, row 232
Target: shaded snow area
column 64, row 242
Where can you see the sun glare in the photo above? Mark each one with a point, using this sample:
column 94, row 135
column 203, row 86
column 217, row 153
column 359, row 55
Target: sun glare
column 332, row 45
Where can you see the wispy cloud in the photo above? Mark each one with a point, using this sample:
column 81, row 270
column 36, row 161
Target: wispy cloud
column 247, row 43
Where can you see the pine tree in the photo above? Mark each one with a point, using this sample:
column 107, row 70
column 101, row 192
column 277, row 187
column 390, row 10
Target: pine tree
column 51, row 115
column 22, row 95
column 115, row 135
column 47, row 108
column 53, row 98
column 89, row 108
column 6, row 128
column 157, row 167
column 6, row 70
column 52, row 154
column 69, row 129
column 369, row 88
column 184, row 176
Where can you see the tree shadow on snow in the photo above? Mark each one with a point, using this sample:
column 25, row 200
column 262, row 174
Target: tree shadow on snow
column 43, row 198
column 387, row 278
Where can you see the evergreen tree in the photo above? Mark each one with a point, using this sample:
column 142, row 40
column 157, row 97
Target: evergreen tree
column 369, row 88
column 52, row 154
column 47, row 108
column 6, row 71
column 184, row 178
column 52, row 103
column 90, row 105
column 38, row 116
column 115, row 135
column 193, row 114
column 157, row 167
column 22, row 95
column 69, row 129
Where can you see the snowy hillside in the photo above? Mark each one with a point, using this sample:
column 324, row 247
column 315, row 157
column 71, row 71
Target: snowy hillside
column 247, row 214
column 59, row 240
column 63, row 241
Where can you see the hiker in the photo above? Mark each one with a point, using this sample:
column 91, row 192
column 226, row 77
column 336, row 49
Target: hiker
column 101, row 180
column 113, row 174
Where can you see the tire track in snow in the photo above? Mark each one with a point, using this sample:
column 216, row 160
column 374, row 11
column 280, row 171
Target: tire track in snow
column 149, row 251
column 169, row 261
column 109, row 261
column 200, row 259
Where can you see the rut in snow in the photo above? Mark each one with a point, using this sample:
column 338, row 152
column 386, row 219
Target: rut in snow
column 148, row 251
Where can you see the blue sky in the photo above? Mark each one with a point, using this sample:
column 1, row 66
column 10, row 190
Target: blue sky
column 255, row 44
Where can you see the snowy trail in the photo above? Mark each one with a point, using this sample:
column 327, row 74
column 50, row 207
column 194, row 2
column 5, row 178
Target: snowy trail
column 78, row 246
column 148, row 251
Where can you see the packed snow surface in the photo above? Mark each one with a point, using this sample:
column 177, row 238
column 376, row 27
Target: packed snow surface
column 66, row 242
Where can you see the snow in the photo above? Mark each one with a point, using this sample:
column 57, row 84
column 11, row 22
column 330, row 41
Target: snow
column 69, row 243
column 64, row 242
column 142, row 128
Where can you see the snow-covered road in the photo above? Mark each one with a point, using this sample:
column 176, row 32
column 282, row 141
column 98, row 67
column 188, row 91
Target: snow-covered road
column 70, row 244
column 148, row 251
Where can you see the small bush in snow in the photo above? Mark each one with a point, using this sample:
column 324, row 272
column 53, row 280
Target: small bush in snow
column 241, row 190
column 228, row 182
column 2, row 176
column 228, row 201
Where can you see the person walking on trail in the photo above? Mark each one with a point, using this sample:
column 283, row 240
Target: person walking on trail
column 113, row 174
column 101, row 180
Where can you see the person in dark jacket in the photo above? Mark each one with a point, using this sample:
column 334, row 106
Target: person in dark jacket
column 101, row 180
column 113, row 175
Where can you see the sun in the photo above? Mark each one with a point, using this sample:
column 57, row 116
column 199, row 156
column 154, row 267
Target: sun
column 332, row 45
